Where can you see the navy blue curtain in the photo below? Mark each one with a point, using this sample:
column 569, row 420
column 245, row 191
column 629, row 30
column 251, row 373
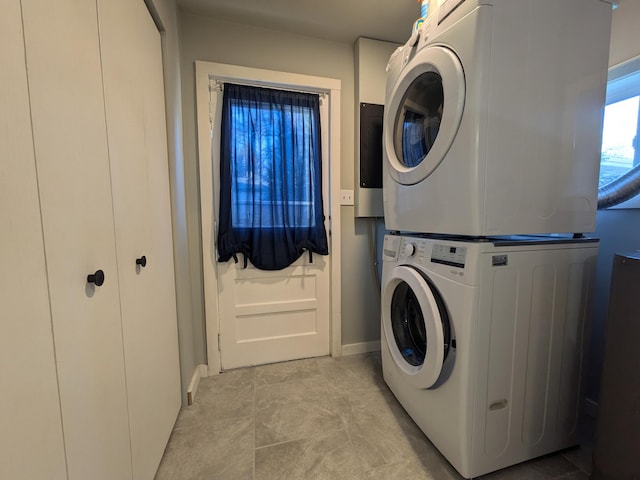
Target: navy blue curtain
column 270, row 177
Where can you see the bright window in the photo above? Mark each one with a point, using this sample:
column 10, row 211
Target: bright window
column 620, row 142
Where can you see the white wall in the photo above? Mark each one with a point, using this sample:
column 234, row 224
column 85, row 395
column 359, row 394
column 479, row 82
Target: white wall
column 618, row 230
column 212, row 40
column 190, row 332
column 625, row 34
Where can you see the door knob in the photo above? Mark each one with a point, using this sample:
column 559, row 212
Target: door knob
column 142, row 261
column 96, row 278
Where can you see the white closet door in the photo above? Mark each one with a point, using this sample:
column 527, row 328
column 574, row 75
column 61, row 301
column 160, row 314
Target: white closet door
column 31, row 444
column 133, row 85
column 63, row 61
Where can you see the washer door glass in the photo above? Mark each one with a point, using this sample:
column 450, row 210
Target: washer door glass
column 407, row 322
column 416, row 326
column 425, row 110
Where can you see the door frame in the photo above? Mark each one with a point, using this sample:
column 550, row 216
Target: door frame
column 205, row 72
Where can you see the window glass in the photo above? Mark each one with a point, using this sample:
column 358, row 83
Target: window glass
column 273, row 185
column 620, row 152
column 619, row 139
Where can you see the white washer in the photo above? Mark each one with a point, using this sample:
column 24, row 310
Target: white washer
column 483, row 342
column 493, row 118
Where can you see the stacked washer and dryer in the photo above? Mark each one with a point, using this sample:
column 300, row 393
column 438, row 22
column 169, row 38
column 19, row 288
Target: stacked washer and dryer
column 491, row 145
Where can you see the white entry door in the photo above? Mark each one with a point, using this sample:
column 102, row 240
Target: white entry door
column 272, row 316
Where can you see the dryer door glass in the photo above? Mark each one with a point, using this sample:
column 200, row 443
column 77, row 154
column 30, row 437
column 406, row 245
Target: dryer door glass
column 424, row 107
column 408, row 325
column 419, row 118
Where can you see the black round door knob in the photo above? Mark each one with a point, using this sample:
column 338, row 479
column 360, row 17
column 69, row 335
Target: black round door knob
column 142, row 261
column 96, row 278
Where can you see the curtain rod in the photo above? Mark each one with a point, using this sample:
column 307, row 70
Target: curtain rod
column 219, row 85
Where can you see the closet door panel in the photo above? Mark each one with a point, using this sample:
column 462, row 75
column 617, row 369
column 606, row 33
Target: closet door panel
column 30, row 420
column 63, row 61
column 133, row 85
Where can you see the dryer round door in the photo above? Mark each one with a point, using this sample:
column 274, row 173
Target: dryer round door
column 415, row 325
column 425, row 110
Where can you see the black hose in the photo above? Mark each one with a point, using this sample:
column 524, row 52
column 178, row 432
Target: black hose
column 620, row 190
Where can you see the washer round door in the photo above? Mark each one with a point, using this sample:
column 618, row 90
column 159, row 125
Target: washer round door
column 416, row 326
column 425, row 110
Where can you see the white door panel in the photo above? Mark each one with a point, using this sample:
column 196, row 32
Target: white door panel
column 271, row 316
column 63, row 61
column 134, row 92
column 30, row 421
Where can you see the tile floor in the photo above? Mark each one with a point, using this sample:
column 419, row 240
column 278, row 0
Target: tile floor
column 322, row 418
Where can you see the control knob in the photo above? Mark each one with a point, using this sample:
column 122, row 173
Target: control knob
column 410, row 249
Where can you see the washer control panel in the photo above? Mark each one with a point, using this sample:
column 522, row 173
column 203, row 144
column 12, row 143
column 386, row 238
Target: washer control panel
column 449, row 255
column 409, row 249
column 423, row 251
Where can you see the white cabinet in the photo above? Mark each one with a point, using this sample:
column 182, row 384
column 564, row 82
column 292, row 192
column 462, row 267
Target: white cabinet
column 134, row 101
column 69, row 132
column 88, row 106
column 30, row 419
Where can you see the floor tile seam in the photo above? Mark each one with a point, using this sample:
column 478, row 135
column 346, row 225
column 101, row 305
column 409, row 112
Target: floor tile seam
column 298, row 439
column 585, row 470
column 226, row 389
column 262, row 405
column 559, row 475
column 329, row 379
column 288, row 380
column 363, row 460
column 213, row 411
column 212, row 423
column 566, row 474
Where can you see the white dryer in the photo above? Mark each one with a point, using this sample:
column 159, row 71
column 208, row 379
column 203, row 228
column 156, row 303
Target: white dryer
column 483, row 342
column 493, row 118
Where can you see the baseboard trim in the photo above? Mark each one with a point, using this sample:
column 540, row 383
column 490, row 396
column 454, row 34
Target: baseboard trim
column 199, row 372
column 362, row 347
column 591, row 408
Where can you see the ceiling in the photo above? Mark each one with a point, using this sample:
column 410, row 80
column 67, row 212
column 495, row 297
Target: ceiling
column 337, row 20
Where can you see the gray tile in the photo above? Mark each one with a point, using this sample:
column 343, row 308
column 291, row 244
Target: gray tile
column 228, row 395
column 323, row 457
column 553, row 465
column 414, row 468
column 439, row 466
column 522, row 471
column 221, row 450
column 578, row 475
column 321, row 418
column 354, row 372
column 229, row 379
column 542, row 468
column 294, row 410
column 379, row 433
column 288, row 371
column 299, row 391
column 580, row 457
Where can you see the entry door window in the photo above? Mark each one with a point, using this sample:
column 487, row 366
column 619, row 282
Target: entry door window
column 419, row 118
column 407, row 322
column 271, row 207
